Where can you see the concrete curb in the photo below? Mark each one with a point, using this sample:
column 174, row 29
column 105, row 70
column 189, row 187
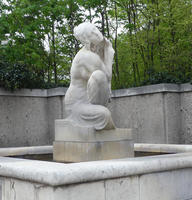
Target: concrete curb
column 56, row 174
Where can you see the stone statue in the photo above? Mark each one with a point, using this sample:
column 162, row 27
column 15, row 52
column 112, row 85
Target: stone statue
column 90, row 87
column 88, row 132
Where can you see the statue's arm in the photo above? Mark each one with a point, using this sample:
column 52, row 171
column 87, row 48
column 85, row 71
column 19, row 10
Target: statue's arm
column 108, row 61
column 108, row 57
column 89, row 62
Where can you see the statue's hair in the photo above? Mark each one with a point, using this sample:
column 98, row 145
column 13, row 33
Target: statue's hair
column 82, row 31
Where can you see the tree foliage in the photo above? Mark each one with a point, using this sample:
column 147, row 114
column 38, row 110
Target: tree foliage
column 152, row 40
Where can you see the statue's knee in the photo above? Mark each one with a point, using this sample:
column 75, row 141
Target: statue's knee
column 106, row 113
column 99, row 76
column 97, row 88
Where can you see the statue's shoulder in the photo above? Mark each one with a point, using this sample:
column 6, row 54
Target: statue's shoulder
column 86, row 52
column 85, row 56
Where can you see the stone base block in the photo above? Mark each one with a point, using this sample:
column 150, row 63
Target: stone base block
column 79, row 144
column 90, row 151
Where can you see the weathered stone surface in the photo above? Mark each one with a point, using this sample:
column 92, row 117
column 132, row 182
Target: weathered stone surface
column 23, row 121
column 21, row 151
column 122, row 188
column 58, row 174
column 86, row 191
column 68, row 131
column 55, row 111
column 162, row 148
column 144, row 115
column 1, row 187
column 90, row 151
column 165, row 177
column 170, row 185
column 150, row 89
column 186, row 118
column 76, row 144
column 172, row 117
column 18, row 190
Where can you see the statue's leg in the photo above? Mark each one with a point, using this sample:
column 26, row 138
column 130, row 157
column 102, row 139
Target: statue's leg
column 96, row 116
column 98, row 88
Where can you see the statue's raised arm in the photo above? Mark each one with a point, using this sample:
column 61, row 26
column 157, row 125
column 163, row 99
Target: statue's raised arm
column 90, row 86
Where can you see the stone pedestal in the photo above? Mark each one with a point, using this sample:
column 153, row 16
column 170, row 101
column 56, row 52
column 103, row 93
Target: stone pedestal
column 77, row 144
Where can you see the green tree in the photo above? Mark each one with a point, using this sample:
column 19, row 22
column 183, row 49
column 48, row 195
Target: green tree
column 152, row 40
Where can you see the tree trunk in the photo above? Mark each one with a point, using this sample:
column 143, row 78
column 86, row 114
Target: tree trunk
column 116, row 51
column 106, row 19
column 134, row 11
column 128, row 10
column 102, row 22
column 53, row 51
column 90, row 14
column 102, row 12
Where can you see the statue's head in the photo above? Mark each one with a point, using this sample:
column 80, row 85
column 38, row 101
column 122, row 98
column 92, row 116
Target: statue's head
column 88, row 33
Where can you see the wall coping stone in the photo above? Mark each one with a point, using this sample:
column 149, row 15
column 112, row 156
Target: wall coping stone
column 60, row 91
column 24, row 93
column 55, row 174
column 162, row 148
column 149, row 89
column 20, row 151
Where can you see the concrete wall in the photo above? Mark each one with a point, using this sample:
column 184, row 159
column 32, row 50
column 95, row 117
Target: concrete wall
column 23, row 121
column 141, row 114
column 152, row 111
column 27, row 116
column 157, row 113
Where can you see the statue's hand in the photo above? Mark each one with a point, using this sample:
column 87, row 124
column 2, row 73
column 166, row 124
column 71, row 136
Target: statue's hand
column 107, row 42
column 110, row 97
column 109, row 52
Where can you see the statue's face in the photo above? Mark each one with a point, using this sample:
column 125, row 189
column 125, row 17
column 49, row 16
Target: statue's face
column 95, row 36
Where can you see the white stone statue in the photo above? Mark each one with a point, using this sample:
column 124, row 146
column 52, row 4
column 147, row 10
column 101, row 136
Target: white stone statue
column 90, row 86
